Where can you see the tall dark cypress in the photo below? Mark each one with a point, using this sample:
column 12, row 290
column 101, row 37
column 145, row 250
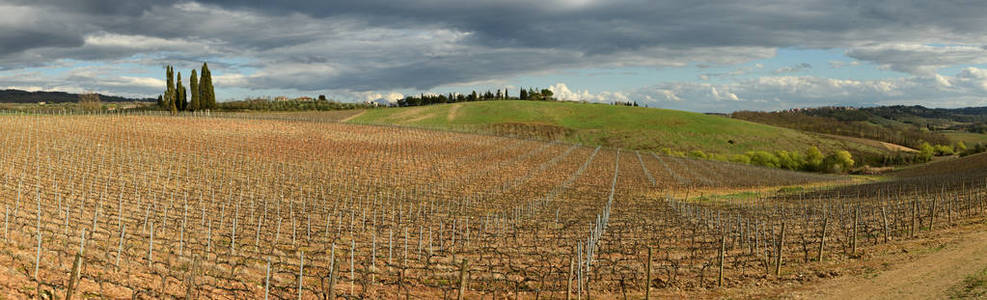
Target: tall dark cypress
column 194, row 92
column 180, row 97
column 169, row 98
column 207, row 96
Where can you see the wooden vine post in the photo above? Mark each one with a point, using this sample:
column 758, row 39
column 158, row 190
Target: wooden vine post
column 853, row 241
column 781, row 246
column 822, row 237
column 647, row 282
column 463, row 277
column 723, row 248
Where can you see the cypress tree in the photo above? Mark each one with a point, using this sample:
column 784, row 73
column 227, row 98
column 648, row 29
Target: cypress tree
column 207, row 97
column 169, row 97
column 194, row 92
column 181, row 101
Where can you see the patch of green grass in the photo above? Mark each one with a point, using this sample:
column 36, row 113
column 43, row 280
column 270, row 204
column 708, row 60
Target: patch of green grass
column 637, row 128
column 728, row 197
column 973, row 287
column 968, row 138
column 791, row 190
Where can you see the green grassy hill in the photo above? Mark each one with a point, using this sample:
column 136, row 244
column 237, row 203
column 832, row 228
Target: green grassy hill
column 636, row 128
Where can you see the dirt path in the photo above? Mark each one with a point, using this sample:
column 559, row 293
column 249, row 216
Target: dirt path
column 452, row 112
column 347, row 119
column 927, row 277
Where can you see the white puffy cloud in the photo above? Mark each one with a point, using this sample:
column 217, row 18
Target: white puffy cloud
column 379, row 97
column 966, row 88
column 562, row 92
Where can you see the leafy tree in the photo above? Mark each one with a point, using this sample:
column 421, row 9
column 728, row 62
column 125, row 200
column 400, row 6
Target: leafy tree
column 840, row 161
column 763, row 158
column 524, row 94
column 194, row 92
column 741, row 158
column 546, row 94
column 925, row 152
column 790, row 160
column 813, row 159
column 942, row 150
column 960, row 146
column 90, row 102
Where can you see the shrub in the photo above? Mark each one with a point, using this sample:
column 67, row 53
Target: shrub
column 925, row 152
column 840, row 161
column 741, row 158
column 813, row 159
column 763, row 158
column 942, row 150
column 790, row 160
column 698, row 154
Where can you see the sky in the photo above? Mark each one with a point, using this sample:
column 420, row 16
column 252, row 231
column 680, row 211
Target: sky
column 704, row 56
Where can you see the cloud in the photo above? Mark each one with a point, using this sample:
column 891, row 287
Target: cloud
column 918, row 59
column 562, row 92
column 101, row 79
column 836, row 64
column 965, row 88
column 794, row 68
column 385, row 45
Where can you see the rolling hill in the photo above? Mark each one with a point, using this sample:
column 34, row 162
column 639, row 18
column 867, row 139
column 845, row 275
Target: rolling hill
column 20, row 96
column 637, row 128
column 905, row 125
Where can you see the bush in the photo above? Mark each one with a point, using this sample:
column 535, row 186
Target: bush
column 790, row 160
column 741, row 158
column 698, row 154
column 813, row 159
column 838, row 162
column 977, row 148
column 943, row 150
column 764, row 159
column 90, row 102
column 925, row 152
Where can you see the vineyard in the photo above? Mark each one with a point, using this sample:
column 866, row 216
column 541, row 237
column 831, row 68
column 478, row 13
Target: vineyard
column 194, row 207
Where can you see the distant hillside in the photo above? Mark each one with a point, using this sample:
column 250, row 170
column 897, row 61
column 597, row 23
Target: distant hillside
column 19, row 96
column 973, row 119
column 907, row 126
column 628, row 127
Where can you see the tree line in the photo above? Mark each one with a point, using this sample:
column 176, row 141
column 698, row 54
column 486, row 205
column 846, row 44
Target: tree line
column 523, row 94
column 845, row 122
column 812, row 160
column 201, row 95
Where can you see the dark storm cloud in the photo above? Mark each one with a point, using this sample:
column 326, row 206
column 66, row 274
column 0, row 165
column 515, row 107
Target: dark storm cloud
column 386, row 44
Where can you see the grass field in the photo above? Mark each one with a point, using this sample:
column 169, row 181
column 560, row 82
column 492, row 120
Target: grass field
column 968, row 138
column 638, row 128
